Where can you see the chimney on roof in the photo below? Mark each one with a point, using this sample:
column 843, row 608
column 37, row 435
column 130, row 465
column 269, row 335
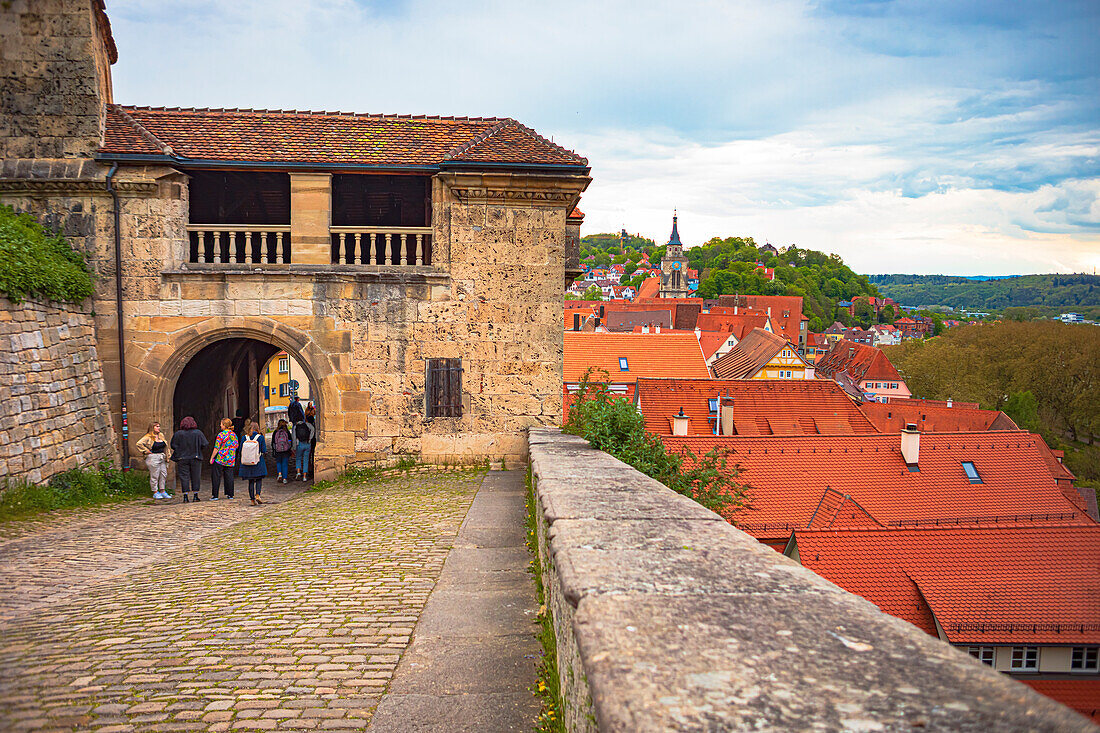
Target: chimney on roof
column 727, row 420
column 597, row 322
column 949, row 402
column 576, row 321
column 910, row 444
column 657, row 328
column 680, row 423
column 602, row 311
column 645, row 328
column 851, row 351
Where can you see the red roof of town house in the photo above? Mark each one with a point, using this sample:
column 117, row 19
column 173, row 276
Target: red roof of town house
column 649, row 288
column 892, row 417
column 626, row 321
column 711, row 341
column 575, row 215
column 647, row 355
column 760, row 406
column 325, row 138
column 1083, row 695
column 790, row 474
column 860, row 361
column 993, row 584
column 785, row 310
column 751, row 354
column 738, row 325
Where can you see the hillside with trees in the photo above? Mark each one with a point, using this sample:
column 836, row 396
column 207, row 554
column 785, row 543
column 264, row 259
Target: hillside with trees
column 1049, row 292
column 1045, row 375
column 728, row 266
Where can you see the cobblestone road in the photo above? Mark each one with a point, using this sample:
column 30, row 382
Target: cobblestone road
column 292, row 617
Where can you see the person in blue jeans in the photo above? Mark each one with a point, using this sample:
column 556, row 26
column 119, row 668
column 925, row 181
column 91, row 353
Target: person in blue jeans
column 303, row 434
column 282, row 442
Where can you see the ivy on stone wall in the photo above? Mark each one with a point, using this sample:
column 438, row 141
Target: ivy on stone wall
column 38, row 263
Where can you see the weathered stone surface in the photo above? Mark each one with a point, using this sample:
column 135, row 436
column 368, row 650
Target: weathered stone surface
column 53, row 413
column 678, row 621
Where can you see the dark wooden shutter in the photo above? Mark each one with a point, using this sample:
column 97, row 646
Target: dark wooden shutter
column 443, row 388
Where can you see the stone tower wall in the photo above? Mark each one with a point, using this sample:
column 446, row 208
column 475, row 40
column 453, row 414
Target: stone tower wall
column 54, row 414
column 55, row 58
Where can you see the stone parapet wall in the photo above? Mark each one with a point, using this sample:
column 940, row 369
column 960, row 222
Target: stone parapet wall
column 53, row 403
column 668, row 618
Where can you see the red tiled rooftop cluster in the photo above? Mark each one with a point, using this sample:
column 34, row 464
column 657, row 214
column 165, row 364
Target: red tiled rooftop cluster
column 860, row 361
column 647, row 355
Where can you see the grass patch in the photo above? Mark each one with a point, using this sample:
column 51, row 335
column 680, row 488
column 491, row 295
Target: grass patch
column 73, row 489
column 548, row 685
column 38, row 263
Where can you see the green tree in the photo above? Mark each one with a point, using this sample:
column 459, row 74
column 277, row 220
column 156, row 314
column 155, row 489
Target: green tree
column 887, row 314
column 38, row 263
column 1023, row 408
column 603, row 259
column 593, row 293
column 865, row 314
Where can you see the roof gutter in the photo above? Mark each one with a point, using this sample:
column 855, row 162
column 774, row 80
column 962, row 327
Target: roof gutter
column 124, row 447
column 146, row 158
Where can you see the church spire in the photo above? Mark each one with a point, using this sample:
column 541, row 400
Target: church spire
column 675, row 238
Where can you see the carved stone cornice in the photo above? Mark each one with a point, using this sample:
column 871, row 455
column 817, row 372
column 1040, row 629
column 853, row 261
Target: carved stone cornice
column 515, row 189
column 74, row 187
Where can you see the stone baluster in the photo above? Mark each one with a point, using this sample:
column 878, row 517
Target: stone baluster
column 263, row 247
column 201, row 251
column 404, row 250
column 420, row 249
column 246, row 256
column 340, row 247
column 389, row 249
column 217, row 248
column 373, row 246
column 363, row 255
column 279, row 246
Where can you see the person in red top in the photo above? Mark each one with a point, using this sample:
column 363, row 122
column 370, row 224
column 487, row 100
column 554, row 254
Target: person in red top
column 223, row 459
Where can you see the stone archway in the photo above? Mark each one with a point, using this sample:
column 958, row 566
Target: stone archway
column 158, row 375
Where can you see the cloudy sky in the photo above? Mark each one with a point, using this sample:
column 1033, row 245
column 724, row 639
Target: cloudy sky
column 928, row 136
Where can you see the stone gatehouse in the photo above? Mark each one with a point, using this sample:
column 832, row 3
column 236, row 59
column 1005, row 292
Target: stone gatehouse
column 414, row 266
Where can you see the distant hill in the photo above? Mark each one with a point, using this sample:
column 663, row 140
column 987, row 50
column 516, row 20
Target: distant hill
column 1064, row 292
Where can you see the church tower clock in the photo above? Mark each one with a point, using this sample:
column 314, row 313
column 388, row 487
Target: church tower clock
column 674, row 267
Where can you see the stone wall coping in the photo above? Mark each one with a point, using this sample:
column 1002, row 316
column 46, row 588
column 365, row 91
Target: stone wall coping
column 683, row 622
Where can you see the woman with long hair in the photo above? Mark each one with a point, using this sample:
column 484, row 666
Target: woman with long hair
column 188, row 443
column 253, row 465
column 283, row 445
column 154, row 446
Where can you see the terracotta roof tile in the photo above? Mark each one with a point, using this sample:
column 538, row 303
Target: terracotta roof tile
column 649, row 288
column 1081, row 695
column 787, row 407
column 983, row 584
column 891, row 417
column 786, row 310
column 331, row 138
column 648, row 355
column 756, row 349
column 789, row 474
column 861, row 361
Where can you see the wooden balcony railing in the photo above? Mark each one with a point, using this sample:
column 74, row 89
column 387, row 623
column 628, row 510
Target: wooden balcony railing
column 263, row 244
column 381, row 245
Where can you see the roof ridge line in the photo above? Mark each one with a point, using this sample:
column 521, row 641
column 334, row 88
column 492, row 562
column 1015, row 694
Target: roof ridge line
column 315, row 113
column 141, row 130
column 476, row 140
column 551, row 143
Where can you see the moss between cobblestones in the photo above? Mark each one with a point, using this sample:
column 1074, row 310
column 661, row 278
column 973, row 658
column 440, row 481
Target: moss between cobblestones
column 548, row 685
column 70, row 490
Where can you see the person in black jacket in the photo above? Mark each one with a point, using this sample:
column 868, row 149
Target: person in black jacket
column 188, row 443
column 294, row 412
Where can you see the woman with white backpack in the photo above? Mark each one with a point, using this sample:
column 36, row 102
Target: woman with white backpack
column 253, row 465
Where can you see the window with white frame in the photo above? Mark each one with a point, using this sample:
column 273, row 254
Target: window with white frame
column 1025, row 659
column 971, row 472
column 284, row 389
column 284, row 364
column 983, row 654
column 1085, row 659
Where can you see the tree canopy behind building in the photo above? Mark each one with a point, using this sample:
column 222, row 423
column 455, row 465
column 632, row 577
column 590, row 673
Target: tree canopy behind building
column 1062, row 292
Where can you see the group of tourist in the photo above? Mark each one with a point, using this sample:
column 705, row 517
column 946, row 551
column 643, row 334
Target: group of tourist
column 235, row 451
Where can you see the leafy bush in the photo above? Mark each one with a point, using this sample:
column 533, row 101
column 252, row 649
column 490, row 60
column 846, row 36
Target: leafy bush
column 611, row 424
column 75, row 488
column 35, row 262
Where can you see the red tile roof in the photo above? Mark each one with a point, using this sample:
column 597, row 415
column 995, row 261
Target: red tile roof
column 327, row 138
column 576, row 214
column 996, row 584
column 893, row 416
column 860, row 361
column 711, row 341
column 779, row 407
column 786, row 310
column 756, row 349
column 1083, row 695
column 649, row 288
column 789, row 474
column 648, row 355
column 738, row 325
column 626, row 321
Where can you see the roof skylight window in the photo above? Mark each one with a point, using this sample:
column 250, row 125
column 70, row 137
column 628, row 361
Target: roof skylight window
column 623, row 366
column 971, row 472
column 712, row 403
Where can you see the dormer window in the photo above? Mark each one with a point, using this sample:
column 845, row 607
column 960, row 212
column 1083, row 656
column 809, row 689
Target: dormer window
column 971, row 472
column 712, row 403
column 623, row 366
